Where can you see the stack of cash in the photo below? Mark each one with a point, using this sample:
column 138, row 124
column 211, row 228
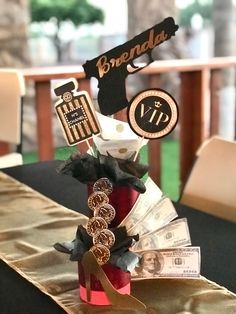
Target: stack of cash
column 164, row 244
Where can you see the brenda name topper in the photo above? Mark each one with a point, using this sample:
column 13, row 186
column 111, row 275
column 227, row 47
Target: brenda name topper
column 153, row 113
column 111, row 68
column 76, row 113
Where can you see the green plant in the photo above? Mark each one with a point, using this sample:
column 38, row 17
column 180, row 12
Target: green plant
column 204, row 8
column 78, row 11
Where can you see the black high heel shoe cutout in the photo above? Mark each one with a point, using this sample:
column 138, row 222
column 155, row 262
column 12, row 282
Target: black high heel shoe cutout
column 91, row 267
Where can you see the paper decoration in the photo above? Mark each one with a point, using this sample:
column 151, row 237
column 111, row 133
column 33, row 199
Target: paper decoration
column 103, row 185
column 105, row 237
column 76, row 113
column 97, row 199
column 86, row 168
column 117, row 138
column 111, row 68
column 106, row 211
column 95, row 225
column 113, row 129
column 122, row 149
column 153, row 113
column 101, row 253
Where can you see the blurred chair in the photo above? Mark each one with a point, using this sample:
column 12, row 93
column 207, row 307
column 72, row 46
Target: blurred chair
column 12, row 90
column 211, row 186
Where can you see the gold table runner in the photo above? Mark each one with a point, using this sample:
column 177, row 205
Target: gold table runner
column 31, row 223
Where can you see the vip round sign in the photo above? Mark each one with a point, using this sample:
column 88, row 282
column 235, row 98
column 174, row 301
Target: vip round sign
column 153, row 113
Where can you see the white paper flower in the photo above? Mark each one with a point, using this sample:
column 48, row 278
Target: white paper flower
column 117, row 138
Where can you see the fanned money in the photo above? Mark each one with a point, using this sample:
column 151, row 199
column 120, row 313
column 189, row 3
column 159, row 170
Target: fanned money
column 162, row 244
column 156, row 217
column 174, row 234
column 144, row 203
column 168, row 263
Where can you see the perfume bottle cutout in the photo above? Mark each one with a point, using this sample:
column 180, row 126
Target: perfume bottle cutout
column 76, row 113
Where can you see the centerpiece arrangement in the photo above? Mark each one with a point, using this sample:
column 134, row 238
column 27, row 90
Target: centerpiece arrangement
column 131, row 231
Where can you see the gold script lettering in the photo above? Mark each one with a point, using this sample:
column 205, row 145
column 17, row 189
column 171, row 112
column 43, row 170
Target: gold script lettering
column 105, row 65
column 160, row 38
column 124, row 57
column 136, row 50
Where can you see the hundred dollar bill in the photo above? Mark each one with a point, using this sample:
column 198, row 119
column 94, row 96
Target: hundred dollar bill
column 156, row 217
column 168, row 263
column 144, row 202
column 176, row 233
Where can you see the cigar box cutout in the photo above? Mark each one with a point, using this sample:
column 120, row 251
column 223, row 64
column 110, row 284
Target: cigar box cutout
column 76, row 113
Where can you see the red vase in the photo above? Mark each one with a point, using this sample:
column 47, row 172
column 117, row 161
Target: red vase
column 122, row 199
column 119, row 279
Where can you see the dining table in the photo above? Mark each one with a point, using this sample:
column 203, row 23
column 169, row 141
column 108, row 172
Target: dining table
column 25, row 289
